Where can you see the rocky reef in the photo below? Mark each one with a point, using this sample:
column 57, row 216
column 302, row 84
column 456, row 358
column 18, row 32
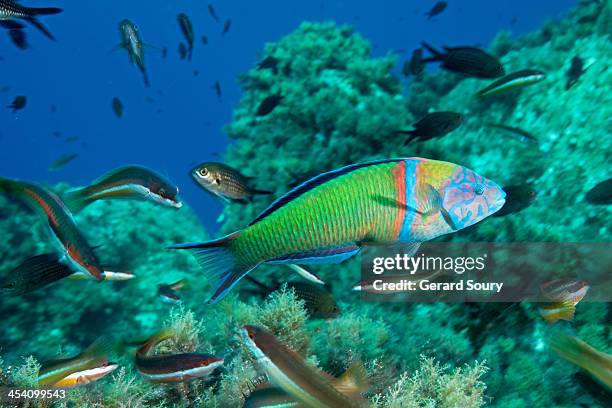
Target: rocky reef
column 341, row 106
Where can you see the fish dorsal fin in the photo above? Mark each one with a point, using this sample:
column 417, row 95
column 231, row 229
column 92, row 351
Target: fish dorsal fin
column 313, row 183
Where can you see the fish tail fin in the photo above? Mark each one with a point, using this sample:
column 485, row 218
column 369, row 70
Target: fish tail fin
column 219, row 262
column 76, row 199
column 155, row 339
column 354, row 381
column 558, row 311
column 436, row 55
column 411, row 135
column 40, row 11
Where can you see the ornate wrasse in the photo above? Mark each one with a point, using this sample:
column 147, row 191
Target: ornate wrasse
column 328, row 218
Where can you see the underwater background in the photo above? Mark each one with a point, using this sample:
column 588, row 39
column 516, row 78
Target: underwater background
column 344, row 97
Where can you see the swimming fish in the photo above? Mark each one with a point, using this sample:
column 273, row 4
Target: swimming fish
column 561, row 296
column 601, row 193
column 518, row 133
column 91, row 365
column 469, row 61
column 131, row 41
column 574, row 72
column 226, row 26
column 62, row 161
column 435, row 124
column 168, row 293
column 10, row 11
column 415, row 66
column 318, row 301
column 204, row 40
column 18, row 103
column 596, row 363
column 34, row 273
column 18, row 37
column 213, row 13
column 225, row 182
column 305, row 383
column 117, row 106
column 164, row 368
column 511, row 81
column 328, row 218
column 437, row 8
column 129, row 182
column 217, row 88
column 518, row 197
column 268, row 104
column 72, row 244
column 187, row 30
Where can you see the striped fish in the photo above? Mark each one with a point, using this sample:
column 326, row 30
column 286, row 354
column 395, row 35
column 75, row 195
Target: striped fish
column 328, row 218
column 511, row 81
column 10, row 11
column 71, row 242
column 165, row 368
column 561, row 296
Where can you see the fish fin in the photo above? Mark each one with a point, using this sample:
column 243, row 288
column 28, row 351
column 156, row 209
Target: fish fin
column 559, row 311
column 11, row 25
column 412, row 134
column 313, row 183
column 353, row 381
column 328, row 255
column 76, row 199
column 40, row 27
column 102, row 348
column 219, row 263
column 155, row 339
column 306, row 274
column 437, row 55
column 43, row 11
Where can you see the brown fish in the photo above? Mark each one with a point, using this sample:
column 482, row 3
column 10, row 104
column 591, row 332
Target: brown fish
column 225, row 182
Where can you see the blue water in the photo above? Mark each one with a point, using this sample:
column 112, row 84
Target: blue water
column 80, row 75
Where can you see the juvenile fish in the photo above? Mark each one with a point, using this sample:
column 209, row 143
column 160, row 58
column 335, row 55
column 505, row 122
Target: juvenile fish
column 187, row 30
column 326, row 219
column 18, row 103
column 518, row 197
column 601, row 193
column 128, row 182
column 213, row 13
column 415, row 66
column 72, row 244
column 91, row 365
column 168, row 293
column 117, row 106
column 204, row 40
column 435, row 124
column 165, row 368
column 318, row 301
column 225, row 182
column 217, row 88
column 226, row 26
column 437, row 8
column 469, row 61
column 596, row 363
column 574, row 72
column 11, row 11
column 518, row 133
column 268, row 104
column 305, row 383
column 62, row 161
column 132, row 43
column 511, row 81
column 562, row 296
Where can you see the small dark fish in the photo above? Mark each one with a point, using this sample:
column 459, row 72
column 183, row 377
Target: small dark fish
column 437, row 8
column 18, row 37
column 514, row 80
column 213, row 13
column 318, row 301
column 164, row 52
column 168, row 293
column 269, row 62
column 268, row 104
column 204, row 40
column 18, row 103
column 415, row 66
column 226, row 26
column 601, row 193
column 182, row 50
column 127, row 182
column 34, row 273
column 11, row 11
column 165, row 368
column 187, row 30
column 217, row 87
column 62, row 161
column 469, row 61
column 225, row 182
column 518, row 197
column 117, row 106
column 131, row 41
column 435, row 124
column 575, row 72
column 520, row 134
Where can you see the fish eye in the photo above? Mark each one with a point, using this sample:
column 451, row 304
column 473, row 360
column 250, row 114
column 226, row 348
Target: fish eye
column 203, row 172
column 479, row 189
column 251, row 335
column 531, row 193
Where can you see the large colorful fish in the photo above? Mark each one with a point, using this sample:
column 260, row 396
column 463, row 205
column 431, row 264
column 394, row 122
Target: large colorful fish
column 71, row 243
column 328, row 218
